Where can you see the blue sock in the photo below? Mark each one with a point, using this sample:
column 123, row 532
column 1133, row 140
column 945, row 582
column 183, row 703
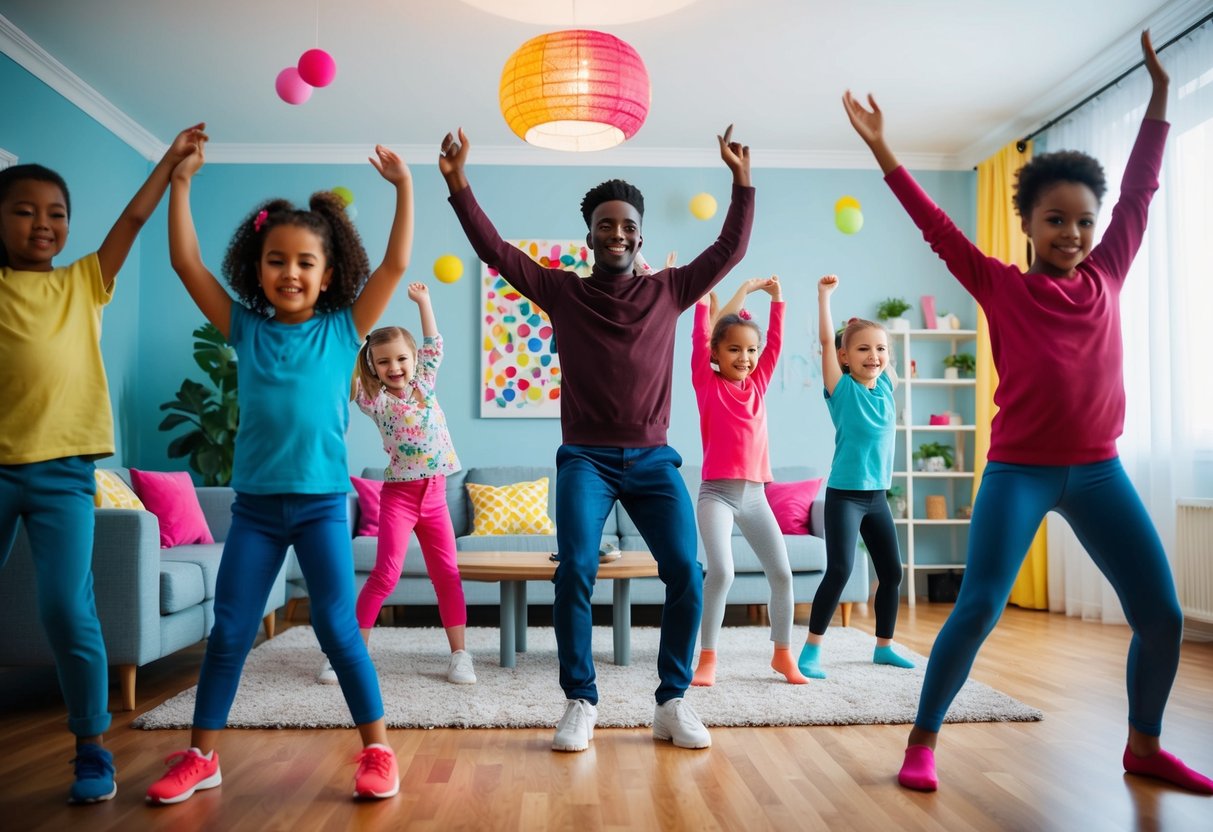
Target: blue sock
column 810, row 661
column 885, row 655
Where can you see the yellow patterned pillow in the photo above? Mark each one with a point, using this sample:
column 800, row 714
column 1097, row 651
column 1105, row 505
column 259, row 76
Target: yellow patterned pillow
column 521, row 508
column 112, row 492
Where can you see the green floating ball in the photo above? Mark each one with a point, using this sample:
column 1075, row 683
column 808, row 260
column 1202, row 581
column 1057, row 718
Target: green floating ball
column 849, row 220
column 347, row 196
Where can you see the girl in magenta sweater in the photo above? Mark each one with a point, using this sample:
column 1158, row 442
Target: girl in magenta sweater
column 1056, row 339
column 736, row 466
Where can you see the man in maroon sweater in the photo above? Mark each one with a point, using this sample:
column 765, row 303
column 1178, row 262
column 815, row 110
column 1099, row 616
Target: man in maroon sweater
column 615, row 331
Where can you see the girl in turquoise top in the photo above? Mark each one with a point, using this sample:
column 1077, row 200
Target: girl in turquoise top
column 859, row 394
column 305, row 304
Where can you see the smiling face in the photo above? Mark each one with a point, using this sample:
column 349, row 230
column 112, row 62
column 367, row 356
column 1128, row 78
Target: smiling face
column 1061, row 226
column 293, row 272
column 33, row 224
column 736, row 352
column 614, row 236
column 394, row 363
column 866, row 353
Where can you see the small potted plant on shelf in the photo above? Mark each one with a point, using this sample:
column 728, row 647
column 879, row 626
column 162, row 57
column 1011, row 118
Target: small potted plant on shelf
column 933, row 456
column 957, row 363
column 891, row 310
column 897, row 501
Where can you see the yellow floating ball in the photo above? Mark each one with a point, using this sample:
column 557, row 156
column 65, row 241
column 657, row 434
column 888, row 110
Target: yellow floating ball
column 703, row 206
column 847, row 202
column 448, row 268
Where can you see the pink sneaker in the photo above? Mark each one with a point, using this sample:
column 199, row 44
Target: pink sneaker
column 378, row 776
column 188, row 771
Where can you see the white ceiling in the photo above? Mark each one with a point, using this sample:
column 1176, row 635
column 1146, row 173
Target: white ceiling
column 956, row 78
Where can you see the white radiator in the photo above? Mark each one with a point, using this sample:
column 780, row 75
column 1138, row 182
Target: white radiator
column 1194, row 558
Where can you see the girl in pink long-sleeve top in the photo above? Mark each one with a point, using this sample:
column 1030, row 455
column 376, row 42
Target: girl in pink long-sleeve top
column 736, row 466
column 1056, row 340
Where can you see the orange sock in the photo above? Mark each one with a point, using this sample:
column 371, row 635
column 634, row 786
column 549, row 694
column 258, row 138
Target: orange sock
column 783, row 662
column 705, row 674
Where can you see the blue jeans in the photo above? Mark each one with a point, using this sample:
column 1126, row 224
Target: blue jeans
column 646, row 481
column 54, row 499
column 263, row 526
column 1110, row 521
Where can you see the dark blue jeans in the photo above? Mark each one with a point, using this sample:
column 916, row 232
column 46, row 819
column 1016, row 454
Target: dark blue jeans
column 1110, row 521
column 646, row 481
column 263, row 526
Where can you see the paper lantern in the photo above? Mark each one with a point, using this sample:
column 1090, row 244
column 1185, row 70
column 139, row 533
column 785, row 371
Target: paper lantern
column 291, row 88
column 317, row 67
column 849, row 220
column 703, row 206
column 448, row 268
column 577, row 89
column 847, row 202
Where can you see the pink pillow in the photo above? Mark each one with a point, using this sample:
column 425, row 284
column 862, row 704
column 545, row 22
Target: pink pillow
column 368, row 506
column 790, row 501
column 171, row 497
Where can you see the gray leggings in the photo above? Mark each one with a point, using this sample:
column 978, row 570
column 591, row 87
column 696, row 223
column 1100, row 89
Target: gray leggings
column 720, row 503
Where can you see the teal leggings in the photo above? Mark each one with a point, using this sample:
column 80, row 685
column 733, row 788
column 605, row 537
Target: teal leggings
column 54, row 500
column 1110, row 521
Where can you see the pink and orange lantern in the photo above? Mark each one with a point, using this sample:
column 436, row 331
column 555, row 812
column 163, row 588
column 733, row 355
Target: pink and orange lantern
column 577, row 89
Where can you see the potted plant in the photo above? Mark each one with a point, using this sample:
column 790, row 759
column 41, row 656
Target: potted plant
column 897, row 501
column 891, row 310
column 959, row 362
column 211, row 444
column 933, row 456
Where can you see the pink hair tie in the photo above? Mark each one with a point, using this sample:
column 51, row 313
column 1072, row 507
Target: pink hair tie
column 260, row 219
column 744, row 314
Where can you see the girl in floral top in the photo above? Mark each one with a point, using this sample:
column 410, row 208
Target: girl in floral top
column 394, row 385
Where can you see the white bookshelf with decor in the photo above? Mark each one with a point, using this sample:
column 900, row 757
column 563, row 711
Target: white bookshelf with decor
column 934, row 527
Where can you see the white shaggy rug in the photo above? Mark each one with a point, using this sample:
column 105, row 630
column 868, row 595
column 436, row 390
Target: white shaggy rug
column 278, row 689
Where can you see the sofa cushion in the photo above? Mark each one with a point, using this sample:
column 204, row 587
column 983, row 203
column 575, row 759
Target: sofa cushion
column 113, row 491
column 369, row 492
column 181, row 586
column 542, row 543
column 205, row 556
column 170, row 496
column 791, row 501
column 518, row 508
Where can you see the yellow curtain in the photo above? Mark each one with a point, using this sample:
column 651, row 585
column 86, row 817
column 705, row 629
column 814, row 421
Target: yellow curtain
column 999, row 235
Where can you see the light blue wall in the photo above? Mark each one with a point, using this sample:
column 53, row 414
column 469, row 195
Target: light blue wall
column 147, row 343
column 102, row 173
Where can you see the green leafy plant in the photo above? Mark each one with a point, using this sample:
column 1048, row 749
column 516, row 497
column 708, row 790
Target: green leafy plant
column 214, row 414
column 891, row 308
column 895, row 492
column 932, row 449
column 964, row 361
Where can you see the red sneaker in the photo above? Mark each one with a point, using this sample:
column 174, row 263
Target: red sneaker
column 378, row 776
column 188, row 772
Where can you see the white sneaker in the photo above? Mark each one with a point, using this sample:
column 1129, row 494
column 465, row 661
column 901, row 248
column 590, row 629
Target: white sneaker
column 327, row 676
column 676, row 720
column 576, row 727
column 459, row 669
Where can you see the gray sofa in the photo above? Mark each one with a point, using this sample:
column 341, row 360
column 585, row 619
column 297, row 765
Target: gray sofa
column 151, row 601
column 805, row 552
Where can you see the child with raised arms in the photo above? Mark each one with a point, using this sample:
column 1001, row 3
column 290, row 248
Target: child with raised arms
column 56, row 422
column 736, row 465
column 394, row 385
column 615, row 331
column 857, row 378
column 304, row 303
column 1053, row 440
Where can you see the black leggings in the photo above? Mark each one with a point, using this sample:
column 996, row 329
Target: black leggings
column 850, row 514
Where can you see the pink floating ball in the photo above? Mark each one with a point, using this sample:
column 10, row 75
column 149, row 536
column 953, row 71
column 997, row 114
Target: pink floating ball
column 291, row 88
column 317, row 67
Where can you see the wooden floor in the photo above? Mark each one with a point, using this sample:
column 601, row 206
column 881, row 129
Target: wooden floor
column 1063, row 773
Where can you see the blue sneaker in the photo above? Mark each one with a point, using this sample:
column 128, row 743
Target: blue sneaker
column 94, row 775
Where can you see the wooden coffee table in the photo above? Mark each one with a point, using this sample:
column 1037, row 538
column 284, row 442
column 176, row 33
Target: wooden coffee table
column 514, row 569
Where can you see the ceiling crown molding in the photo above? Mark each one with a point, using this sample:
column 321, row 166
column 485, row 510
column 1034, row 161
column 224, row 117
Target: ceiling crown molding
column 46, row 68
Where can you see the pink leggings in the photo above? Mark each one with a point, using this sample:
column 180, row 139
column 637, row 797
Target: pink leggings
column 404, row 507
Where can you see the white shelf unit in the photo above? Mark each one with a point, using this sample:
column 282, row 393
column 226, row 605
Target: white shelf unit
column 926, row 347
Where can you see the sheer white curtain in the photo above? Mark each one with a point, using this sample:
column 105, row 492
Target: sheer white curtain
column 1166, row 308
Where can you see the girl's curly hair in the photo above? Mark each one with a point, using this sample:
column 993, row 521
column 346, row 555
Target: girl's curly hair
column 326, row 218
column 1048, row 169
